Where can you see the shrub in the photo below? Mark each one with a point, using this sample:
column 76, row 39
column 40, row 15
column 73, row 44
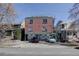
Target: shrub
column 18, row 33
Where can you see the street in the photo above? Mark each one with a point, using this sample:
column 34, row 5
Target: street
column 10, row 47
column 55, row 50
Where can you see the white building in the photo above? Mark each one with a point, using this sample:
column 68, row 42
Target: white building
column 23, row 24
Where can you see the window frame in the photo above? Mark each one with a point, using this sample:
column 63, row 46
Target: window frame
column 44, row 21
column 31, row 21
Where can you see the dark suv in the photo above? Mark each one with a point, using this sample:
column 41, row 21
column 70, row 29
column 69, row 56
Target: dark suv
column 34, row 39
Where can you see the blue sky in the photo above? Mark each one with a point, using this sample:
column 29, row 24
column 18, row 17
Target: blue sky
column 59, row 10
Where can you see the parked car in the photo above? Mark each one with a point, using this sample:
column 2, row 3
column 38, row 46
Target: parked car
column 43, row 37
column 52, row 39
column 33, row 39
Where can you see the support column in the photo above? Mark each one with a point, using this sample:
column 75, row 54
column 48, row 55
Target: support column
column 12, row 34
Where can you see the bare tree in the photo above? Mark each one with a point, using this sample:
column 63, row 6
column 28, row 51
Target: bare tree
column 7, row 15
column 74, row 15
column 74, row 12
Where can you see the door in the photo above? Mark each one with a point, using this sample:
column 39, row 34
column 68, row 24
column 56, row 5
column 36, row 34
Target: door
column 23, row 34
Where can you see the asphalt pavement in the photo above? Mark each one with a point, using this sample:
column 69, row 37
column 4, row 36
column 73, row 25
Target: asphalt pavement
column 10, row 47
column 54, row 50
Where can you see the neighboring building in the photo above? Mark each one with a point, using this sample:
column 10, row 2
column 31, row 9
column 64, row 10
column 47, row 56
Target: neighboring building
column 8, row 29
column 66, row 25
column 66, row 29
column 58, row 26
column 16, row 25
column 9, row 26
column 5, row 26
column 23, row 24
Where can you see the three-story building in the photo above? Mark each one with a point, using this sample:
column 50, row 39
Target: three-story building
column 38, row 25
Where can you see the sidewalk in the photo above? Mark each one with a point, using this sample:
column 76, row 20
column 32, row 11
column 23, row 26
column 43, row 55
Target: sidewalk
column 72, row 45
column 7, row 42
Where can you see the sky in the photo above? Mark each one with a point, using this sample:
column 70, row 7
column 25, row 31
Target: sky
column 58, row 10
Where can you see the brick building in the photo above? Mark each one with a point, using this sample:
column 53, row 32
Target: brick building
column 39, row 24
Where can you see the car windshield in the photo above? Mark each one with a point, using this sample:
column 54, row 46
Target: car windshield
column 51, row 37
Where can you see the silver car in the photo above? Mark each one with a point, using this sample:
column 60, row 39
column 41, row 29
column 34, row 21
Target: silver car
column 52, row 39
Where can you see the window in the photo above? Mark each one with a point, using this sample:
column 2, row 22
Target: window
column 44, row 21
column 44, row 29
column 62, row 25
column 31, row 21
column 30, row 29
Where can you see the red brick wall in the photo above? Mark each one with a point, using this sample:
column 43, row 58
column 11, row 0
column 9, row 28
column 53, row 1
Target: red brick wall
column 50, row 25
column 37, row 24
